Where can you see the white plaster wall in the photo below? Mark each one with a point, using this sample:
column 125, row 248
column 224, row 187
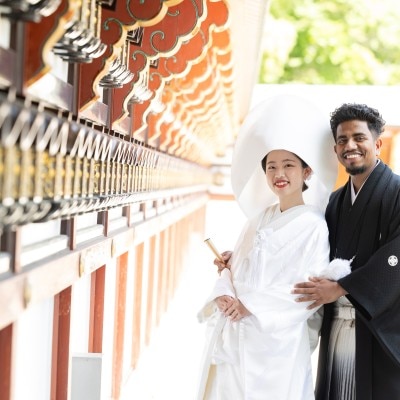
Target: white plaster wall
column 32, row 348
column 80, row 316
column 5, row 32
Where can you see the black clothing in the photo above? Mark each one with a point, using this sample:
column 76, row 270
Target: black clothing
column 369, row 230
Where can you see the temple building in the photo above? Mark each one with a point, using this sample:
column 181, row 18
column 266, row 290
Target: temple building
column 117, row 121
column 112, row 115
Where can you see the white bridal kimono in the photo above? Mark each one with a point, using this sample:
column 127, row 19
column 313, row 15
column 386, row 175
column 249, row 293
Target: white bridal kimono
column 266, row 356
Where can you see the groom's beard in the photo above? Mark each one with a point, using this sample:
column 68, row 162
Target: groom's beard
column 356, row 170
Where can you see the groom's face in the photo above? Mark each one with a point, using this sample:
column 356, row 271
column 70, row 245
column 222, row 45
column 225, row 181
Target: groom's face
column 356, row 147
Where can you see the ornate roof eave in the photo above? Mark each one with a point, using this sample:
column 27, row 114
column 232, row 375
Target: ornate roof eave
column 174, row 75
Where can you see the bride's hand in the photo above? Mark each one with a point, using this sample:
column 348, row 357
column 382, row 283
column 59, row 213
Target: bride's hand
column 226, row 255
column 223, row 302
column 236, row 311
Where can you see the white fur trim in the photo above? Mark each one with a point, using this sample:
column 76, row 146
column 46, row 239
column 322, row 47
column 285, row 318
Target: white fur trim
column 337, row 268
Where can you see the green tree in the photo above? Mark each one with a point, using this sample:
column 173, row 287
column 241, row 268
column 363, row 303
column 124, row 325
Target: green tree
column 332, row 42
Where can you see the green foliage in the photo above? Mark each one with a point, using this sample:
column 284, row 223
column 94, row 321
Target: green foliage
column 332, row 42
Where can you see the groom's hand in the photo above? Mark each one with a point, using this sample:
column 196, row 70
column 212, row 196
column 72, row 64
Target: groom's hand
column 319, row 291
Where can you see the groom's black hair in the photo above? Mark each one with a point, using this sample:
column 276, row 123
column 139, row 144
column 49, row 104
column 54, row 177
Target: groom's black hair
column 360, row 112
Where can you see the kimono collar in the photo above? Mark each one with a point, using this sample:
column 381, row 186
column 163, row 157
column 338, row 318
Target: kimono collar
column 353, row 193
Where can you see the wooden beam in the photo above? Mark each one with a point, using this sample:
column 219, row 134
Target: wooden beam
column 49, row 276
column 5, row 362
column 96, row 311
column 60, row 351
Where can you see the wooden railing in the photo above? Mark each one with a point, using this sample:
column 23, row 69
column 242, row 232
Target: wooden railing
column 102, row 298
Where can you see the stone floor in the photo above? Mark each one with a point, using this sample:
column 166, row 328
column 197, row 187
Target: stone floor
column 168, row 369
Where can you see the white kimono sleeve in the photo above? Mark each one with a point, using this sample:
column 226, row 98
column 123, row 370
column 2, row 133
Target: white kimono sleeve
column 275, row 307
column 223, row 287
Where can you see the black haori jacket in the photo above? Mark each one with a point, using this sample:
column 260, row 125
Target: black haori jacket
column 368, row 230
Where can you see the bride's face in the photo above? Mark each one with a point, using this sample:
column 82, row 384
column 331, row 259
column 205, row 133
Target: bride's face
column 285, row 173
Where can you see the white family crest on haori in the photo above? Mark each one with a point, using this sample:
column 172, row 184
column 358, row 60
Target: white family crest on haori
column 392, row 261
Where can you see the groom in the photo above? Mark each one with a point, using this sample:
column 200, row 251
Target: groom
column 360, row 336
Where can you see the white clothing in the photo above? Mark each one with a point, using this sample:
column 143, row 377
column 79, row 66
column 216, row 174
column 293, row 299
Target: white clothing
column 267, row 354
column 342, row 352
column 284, row 122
